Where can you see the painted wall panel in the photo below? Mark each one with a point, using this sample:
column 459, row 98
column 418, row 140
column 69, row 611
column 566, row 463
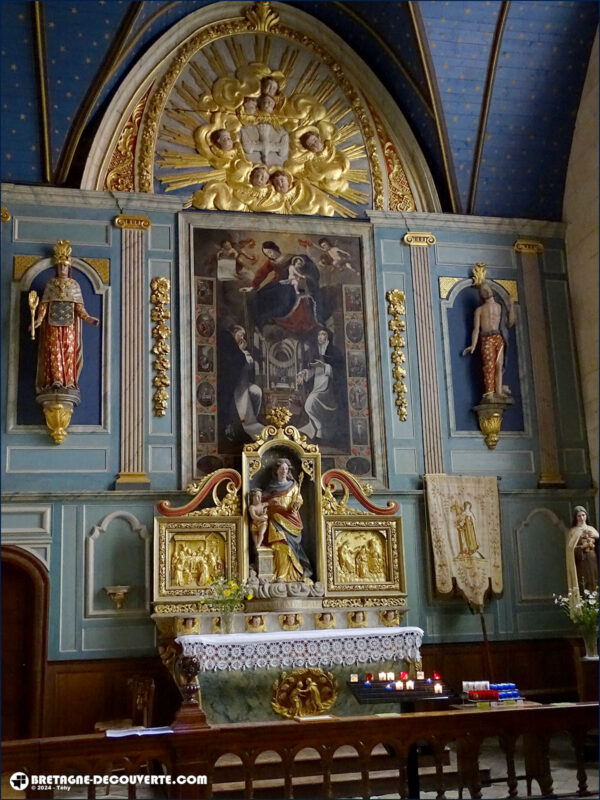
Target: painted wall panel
column 492, row 463
column 37, row 460
column 30, row 229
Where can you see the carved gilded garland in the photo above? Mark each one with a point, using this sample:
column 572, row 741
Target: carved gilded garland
column 249, row 146
column 397, row 325
column 161, row 334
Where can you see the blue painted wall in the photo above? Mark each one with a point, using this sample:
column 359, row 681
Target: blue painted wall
column 97, row 536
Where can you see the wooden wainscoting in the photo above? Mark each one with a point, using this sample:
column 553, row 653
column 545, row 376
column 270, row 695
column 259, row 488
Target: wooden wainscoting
column 80, row 693
column 543, row 669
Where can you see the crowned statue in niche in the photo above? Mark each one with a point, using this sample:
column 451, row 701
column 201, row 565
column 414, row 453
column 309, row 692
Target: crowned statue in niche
column 491, row 323
column 59, row 315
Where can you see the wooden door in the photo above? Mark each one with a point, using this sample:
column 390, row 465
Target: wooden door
column 24, row 610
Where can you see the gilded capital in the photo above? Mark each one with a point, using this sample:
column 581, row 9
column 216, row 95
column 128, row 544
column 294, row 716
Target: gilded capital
column 419, row 239
column 531, row 246
column 136, row 222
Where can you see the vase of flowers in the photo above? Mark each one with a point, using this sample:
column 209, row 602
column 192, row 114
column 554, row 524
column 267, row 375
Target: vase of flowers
column 582, row 609
column 226, row 596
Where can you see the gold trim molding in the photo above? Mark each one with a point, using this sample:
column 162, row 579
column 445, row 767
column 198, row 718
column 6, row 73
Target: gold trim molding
column 5, row 217
column 419, row 239
column 446, row 285
column 136, row 222
column 397, row 325
column 132, row 477
column 531, row 246
column 21, row 264
column 161, row 333
column 101, row 266
column 510, row 287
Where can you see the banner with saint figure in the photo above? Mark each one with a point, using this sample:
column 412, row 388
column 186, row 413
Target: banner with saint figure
column 464, row 521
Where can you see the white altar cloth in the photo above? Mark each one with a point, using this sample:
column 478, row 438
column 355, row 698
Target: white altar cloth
column 322, row 648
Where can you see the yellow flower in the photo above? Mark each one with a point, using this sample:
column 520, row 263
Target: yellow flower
column 234, row 587
column 227, row 592
column 250, row 596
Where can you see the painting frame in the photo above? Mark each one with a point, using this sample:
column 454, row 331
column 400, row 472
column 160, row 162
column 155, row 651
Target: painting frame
column 173, row 533
column 198, row 402
column 358, row 530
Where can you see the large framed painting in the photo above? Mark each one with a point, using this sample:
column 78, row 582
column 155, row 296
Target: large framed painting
column 280, row 313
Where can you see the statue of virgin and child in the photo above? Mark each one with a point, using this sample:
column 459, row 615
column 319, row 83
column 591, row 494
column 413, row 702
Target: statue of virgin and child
column 276, row 523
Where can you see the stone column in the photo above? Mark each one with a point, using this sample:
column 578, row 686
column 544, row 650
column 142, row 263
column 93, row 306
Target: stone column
column 540, row 351
column 133, row 417
column 428, row 377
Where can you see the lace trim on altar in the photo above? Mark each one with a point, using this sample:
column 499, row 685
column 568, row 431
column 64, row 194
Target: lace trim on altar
column 303, row 648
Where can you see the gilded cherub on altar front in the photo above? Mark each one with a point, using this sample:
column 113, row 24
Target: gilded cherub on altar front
column 290, row 622
column 256, row 624
column 389, row 617
column 324, row 621
column 357, row 619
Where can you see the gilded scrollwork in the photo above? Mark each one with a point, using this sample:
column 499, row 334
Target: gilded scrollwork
column 400, row 196
column 254, row 466
column 178, row 608
column 161, row 334
column 368, row 602
column 278, row 429
column 397, row 325
column 120, row 174
column 227, row 506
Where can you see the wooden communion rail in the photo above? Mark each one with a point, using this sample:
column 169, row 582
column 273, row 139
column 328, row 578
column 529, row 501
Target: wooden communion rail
column 347, row 754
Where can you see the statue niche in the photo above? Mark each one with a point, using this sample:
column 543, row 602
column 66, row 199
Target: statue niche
column 282, row 473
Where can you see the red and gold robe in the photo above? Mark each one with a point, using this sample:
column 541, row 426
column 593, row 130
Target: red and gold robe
column 60, row 353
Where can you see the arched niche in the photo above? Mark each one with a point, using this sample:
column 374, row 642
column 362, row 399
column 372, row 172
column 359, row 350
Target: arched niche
column 540, row 550
column 161, row 131
column 22, row 411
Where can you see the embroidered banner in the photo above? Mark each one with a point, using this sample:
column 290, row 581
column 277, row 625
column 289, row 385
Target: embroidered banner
column 464, row 521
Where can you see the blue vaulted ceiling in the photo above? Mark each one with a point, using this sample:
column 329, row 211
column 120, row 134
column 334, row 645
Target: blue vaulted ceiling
column 490, row 89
